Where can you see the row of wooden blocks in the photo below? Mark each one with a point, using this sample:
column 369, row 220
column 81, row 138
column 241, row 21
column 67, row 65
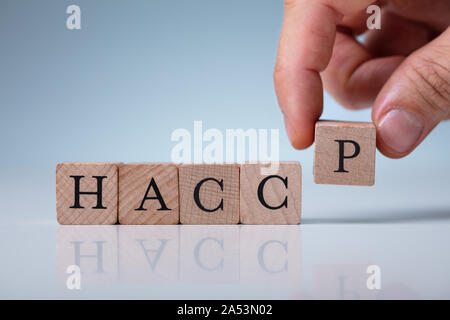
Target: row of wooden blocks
column 162, row 193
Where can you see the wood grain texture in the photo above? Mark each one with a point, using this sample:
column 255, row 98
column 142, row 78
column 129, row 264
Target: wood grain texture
column 65, row 193
column 270, row 209
column 361, row 168
column 210, row 193
column 134, row 182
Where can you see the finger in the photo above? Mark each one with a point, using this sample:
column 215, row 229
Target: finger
column 434, row 13
column 398, row 36
column 352, row 76
column 355, row 23
column 415, row 99
column 305, row 48
column 355, row 75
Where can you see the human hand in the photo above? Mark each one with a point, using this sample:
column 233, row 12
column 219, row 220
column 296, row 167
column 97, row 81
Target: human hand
column 403, row 70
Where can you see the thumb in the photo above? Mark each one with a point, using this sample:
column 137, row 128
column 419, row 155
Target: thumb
column 414, row 99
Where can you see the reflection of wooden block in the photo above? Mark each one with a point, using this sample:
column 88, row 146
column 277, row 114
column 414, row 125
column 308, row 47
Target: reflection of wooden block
column 271, row 255
column 273, row 198
column 148, row 194
column 209, row 193
column 209, row 255
column 86, row 193
column 92, row 248
column 345, row 153
column 343, row 281
column 149, row 254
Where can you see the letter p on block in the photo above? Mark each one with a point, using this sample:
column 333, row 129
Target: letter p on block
column 345, row 153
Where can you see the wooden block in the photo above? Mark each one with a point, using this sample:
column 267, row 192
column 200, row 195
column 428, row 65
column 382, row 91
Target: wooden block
column 148, row 194
column 271, row 199
column 345, row 153
column 209, row 193
column 86, row 193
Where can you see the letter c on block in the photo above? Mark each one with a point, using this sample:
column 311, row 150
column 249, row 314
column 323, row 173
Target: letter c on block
column 197, row 195
column 261, row 192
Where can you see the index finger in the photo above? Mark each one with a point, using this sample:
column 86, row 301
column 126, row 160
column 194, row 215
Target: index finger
column 305, row 48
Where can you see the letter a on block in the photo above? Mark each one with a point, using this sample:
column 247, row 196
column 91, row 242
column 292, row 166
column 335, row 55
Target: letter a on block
column 86, row 193
column 345, row 153
column 271, row 199
column 148, row 193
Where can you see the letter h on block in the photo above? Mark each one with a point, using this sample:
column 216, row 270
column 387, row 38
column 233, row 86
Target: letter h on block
column 345, row 153
column 86, row 193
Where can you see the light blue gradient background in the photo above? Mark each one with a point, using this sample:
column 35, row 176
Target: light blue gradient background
column 137, row 70
column 116, row 89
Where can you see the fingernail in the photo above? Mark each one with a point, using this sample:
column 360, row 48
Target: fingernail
column 400, row 129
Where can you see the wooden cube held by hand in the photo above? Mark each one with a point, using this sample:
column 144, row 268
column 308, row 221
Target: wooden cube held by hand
column 345, row 153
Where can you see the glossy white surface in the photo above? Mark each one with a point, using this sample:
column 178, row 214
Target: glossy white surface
column 318, row 259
